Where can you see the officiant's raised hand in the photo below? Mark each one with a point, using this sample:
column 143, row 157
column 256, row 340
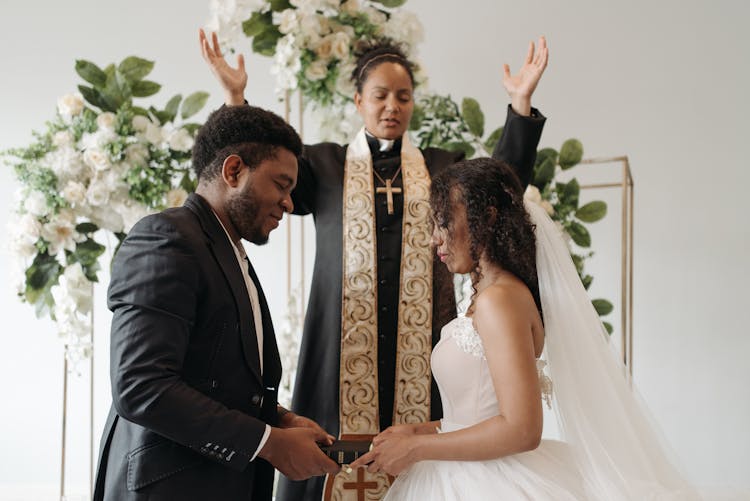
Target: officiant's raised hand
column 521, row 86
column 232, row 80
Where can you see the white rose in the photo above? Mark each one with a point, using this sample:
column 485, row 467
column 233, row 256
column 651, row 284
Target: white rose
column 376, row 17
column 98, row 192
column 310, row 28
column 288, row 21
column 532, row 194
column 324, row 47
column 351, row 7
column 180, row 140
column 140, row 123
column 136, row 154
column 74, row 290
column 108, row 218
column 317, row 70
column 62, row 138
column 131, row 213
column 106, row 120
column 36, row 204
column 344, row 83
column 153, row 134
column 96, row 159
column 548, row 207
column 70, row 105
column 74, row 193
column 340, row 45
column 176, row 197
column 97, row 139
column 29, row 227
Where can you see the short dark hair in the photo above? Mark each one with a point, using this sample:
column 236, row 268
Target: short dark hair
column 248, row 131
column 370, row 56
column 489, row 189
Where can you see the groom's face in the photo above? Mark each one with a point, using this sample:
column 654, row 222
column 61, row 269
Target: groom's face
column 262, row 196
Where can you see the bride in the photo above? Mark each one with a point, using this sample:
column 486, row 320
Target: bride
column 528, row 302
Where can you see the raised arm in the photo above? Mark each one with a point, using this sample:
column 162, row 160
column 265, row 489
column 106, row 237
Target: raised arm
column 232, row 80
column 523, row 126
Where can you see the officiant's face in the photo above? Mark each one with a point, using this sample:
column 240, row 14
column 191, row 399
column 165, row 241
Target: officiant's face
column 262, row 196
column 451, row 239
column 386, row 102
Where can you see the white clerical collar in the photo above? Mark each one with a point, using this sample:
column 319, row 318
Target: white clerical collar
column 385, row 144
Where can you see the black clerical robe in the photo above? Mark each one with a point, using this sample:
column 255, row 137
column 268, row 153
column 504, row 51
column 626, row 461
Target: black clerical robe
column 319, row 192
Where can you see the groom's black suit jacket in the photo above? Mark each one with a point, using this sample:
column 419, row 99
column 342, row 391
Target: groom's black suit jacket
column 189, row 403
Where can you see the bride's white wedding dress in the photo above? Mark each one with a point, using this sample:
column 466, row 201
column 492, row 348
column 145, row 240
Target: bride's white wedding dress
column 609, row 449
column 461, row 371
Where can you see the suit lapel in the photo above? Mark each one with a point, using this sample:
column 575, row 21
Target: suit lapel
column 226, row 259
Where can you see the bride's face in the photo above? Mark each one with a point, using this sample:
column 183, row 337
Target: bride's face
column 451, row 241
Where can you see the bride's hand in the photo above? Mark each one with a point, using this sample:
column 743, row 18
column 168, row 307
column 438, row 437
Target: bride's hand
column 232, row 80
column 521, row 86
column 392, row 453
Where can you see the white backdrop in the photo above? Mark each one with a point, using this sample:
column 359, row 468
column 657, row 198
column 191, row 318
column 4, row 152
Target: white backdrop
column 664, row 83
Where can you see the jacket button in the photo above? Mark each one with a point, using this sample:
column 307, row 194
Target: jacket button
column 255, row 399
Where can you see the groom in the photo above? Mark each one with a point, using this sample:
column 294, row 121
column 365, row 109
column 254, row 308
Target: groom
column 194, row 362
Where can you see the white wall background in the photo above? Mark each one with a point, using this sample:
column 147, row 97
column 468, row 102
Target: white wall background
column 663, row 82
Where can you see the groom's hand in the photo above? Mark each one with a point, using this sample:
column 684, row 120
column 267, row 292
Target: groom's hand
column 296, row 454
column 292, row 420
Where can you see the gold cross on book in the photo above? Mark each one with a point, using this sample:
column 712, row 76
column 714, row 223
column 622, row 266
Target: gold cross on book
column 389, row 190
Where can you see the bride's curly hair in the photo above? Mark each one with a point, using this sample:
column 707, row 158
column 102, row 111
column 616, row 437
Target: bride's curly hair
column 499, row 226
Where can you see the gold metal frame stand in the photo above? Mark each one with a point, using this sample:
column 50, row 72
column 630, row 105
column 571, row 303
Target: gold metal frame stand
column 626, row 185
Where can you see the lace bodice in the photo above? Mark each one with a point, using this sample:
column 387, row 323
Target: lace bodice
column 463, row 376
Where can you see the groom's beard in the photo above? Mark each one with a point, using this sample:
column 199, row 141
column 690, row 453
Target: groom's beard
column 242, row 210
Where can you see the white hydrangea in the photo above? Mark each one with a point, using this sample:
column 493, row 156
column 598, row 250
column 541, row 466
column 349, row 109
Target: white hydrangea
column 35, row 204
column 405, row 27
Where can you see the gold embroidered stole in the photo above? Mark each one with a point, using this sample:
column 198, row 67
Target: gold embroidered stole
column 358, row 379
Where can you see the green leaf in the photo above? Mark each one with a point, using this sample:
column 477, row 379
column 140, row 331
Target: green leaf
column 173, row 105
column 473, row 116
column 608, row 327
column 191, row 127
column 390, row 3
column 87, row 228
column 579, row 234
column 544, row 173
column 161, row 116
column 91, row 73
column 592, row 211
column 43, row 272
column 602, row 306
column 279, row 5
column 145, row 88
column 570, row 194
column 134, row 68
column 544, row 154
column 460, row 147
column 137, row 110
column 265, row 43
column 491, row 141
column 586, row 280
column 193, row 104
column 257, row 24
column 571, row 153
column 417, row 117
column 92, row 96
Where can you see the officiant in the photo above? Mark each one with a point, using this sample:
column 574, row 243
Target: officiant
column 379, row 297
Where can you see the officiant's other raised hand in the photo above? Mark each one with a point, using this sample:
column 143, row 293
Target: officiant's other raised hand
column 232, row 80
column 521, row 86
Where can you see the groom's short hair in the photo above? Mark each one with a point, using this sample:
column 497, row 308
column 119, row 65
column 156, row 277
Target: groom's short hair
column 252, row 133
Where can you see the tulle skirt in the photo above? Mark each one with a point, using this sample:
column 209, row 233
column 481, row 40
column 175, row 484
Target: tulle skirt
column 546, row 473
